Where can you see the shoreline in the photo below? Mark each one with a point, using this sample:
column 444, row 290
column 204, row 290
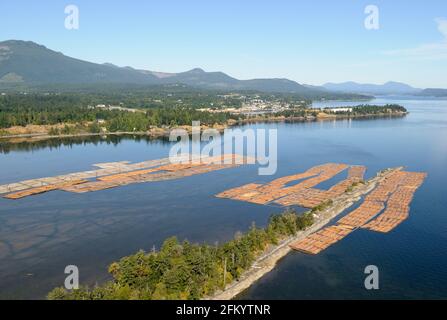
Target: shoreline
column 159, row 132
column 269, row 259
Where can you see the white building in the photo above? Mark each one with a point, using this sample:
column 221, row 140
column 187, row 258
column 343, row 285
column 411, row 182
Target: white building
column 337, row 110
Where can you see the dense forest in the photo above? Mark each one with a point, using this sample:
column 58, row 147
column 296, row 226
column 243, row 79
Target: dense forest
column 182, row 270
column 296, row 113
column 21, row 110
column 355, row 111
column 367, row 109
column 374, row 109
column 79, row 113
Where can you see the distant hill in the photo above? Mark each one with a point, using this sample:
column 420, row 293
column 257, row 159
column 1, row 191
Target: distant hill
column 388, row 88
column 221, row 81
column 433, row 92
column 28, row 64
column 199, row 78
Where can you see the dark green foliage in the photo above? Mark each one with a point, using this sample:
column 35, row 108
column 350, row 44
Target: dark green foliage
column 35, row 64
column 189, row 271
column 373, row 109
column 94, row 128
column 293, row 113
column 37, row 109
column 21, row 110
column 353, row 186
column 322, row 206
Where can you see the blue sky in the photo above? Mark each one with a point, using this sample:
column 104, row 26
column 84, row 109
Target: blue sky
column 308, row 41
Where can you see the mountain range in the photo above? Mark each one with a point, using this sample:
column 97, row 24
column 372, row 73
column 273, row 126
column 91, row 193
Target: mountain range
column 375, row 89
column 388, row 88
column 31, row 64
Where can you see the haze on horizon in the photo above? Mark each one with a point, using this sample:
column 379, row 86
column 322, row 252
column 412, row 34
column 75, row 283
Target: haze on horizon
column 311, row 42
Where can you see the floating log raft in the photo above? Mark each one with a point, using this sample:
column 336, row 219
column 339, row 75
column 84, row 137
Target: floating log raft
column 43, row 189
column 361, row 215
column 398, row 205
column 302, row 193
column 394, row 194
column 321, row 240
column 126, row 175
column 106, row 169
column 90, row 186
column 307, row 198
column 141, row 176
column 357, row 173
column 115, row 174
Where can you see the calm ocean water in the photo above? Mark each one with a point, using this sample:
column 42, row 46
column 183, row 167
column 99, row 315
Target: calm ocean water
column 40, row 235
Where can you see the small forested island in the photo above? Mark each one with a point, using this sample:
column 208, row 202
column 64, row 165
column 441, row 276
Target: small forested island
column 182, row 270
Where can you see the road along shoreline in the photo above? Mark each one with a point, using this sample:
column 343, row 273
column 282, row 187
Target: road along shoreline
column 266, row 262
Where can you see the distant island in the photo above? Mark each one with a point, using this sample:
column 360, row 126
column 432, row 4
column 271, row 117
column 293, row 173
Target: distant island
column 433, row 92
column 389, row 88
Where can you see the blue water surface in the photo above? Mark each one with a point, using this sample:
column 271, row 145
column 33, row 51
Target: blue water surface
column 40, row 235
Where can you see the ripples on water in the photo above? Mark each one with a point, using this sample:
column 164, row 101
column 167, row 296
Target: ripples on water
column 40, row 235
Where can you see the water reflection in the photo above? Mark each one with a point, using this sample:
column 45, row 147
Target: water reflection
column 26, row 144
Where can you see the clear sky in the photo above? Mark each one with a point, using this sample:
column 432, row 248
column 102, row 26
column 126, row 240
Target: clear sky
column 311, row 42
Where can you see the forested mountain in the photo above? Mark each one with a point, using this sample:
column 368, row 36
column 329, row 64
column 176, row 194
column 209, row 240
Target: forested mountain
column 30, row 63
column 25, row 63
